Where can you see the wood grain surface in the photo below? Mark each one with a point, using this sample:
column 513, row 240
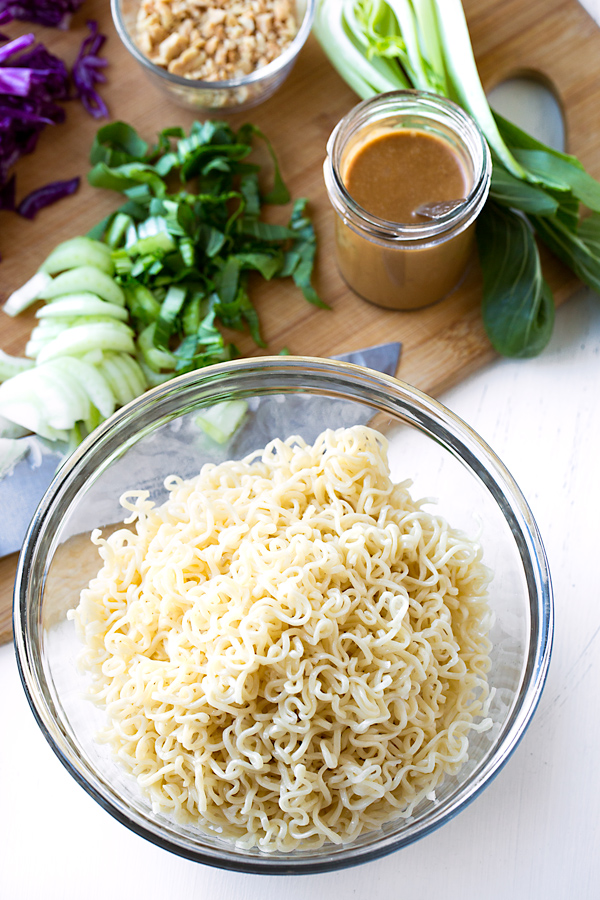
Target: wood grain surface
column 556, row 40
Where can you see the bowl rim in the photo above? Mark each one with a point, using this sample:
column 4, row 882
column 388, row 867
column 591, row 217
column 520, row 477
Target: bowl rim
column 419, row 407
column 276, row 65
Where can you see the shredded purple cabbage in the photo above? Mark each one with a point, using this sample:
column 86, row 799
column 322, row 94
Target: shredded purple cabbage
column 44, row 196
column 13, row 47
column 86, row 72
column 52, row 13
column 15, row 81
column 30, row 86
column 33, row 84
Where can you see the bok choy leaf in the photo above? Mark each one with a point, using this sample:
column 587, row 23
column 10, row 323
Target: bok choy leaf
column 518, row 311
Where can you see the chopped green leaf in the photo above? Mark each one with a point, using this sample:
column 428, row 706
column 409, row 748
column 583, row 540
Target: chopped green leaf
column 279, row 193
column 304, row 248
column 116, row 144
column 268, row 264
column 127, row 176
column 265, row 231
column 182, row 249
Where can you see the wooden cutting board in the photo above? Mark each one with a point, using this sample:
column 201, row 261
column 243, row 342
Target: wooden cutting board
column 556, row 40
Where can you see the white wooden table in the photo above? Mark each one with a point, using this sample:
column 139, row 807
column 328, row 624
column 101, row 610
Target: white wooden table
column 533, row 833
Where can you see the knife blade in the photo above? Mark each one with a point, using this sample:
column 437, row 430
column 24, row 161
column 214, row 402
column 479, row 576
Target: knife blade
column 382, row 358
column 24, row 485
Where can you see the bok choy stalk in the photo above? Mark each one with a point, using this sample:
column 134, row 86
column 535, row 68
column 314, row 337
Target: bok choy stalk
column 382, row 46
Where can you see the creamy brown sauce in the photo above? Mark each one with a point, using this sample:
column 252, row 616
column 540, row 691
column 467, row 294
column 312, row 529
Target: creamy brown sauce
column 394, row 173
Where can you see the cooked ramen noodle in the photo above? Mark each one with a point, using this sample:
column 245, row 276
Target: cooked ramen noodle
column 290, row 650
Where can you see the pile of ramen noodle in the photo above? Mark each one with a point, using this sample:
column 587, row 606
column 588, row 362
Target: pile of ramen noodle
column 290, row 650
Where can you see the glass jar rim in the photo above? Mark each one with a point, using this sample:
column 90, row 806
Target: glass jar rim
column 428, row 105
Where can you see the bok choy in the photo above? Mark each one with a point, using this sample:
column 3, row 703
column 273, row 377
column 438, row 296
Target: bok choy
column 386, row 45
column 148, row 295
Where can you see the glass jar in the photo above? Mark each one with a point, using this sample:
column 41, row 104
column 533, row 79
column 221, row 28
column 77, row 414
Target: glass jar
column 406, row 265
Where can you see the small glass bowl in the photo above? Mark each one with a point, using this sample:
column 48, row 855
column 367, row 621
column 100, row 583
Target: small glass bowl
column 231, row 96
column 155, row 436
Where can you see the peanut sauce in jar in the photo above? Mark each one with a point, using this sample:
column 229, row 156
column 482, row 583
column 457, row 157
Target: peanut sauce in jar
column 389, row 156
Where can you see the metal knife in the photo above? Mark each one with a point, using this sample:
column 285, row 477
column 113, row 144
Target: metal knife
column 22, row 488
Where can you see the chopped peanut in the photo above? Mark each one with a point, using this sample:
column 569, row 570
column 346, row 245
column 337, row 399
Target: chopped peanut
column 215, row 40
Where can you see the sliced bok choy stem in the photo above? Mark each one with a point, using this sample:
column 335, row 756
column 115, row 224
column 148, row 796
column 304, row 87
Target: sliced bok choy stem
column 83, row 279
column 221, row 420
column 81, row 338
column 154, row 377
column 154, row 358
column 82, row 304
column 53, row 397
column 45, row 332
column 123, row 375
column 33, row 400
column 11, row 452
column 81, row 363
column 91, row 382
column 120, row 387
column 71, row 403
column 12, row 365
column 79, row 251
column 27, row 294
column 10, row 429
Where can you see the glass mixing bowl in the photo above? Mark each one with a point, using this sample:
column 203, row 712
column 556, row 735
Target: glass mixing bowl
column 233, row 95
column 157, row 435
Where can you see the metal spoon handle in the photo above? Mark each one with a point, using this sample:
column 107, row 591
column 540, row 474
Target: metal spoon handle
column 437, row 210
